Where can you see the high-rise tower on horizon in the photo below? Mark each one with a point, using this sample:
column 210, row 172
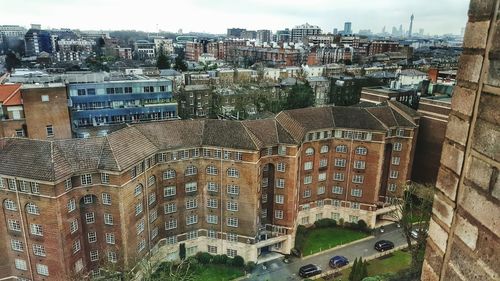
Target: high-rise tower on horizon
column 411, row 26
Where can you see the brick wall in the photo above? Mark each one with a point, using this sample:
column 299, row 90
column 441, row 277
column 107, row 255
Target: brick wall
column 464, row 242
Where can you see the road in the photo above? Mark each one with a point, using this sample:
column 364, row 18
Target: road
column 278, row 271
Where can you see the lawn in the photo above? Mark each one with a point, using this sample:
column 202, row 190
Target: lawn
column 320, row 239
column 215, row 272
column 398, row 261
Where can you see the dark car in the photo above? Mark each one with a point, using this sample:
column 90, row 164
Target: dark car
column 309, row 270
column 338, row 261
column 383, row 245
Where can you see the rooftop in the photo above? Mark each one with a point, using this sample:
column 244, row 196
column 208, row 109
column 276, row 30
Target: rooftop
column 10, row 94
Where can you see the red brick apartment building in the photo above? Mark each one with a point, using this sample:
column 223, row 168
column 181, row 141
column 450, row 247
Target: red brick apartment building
column 224, row 187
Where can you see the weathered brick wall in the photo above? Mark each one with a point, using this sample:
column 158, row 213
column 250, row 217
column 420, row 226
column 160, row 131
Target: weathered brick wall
column 464, row 242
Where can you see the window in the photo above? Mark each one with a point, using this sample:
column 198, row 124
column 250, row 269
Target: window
column 212, row 249
column 153, row 215
column 321, row 190
column 359, row 164
column 305, row 220
column 170, row 208
column 92, row 237
column 138, row 190
column 151, row 180
column 94, row 255
column 191, row 187
column 309, row 151
column 308, row 165
column 108, row 219
column 263, row 213
column 79, row 265
column 104, row 178
column 212, row 203
column 269, row 151
column 19, row 133
column 110, row 238
column 233, row 173
column 86, row 179
column 320, row 203
column 341, row 148
column 212, row 219
column 353, row 219
column 232, row 222
column 280, row 167
column 340, row 162
column 394, row 174
column 278, row 214
column 35, row 188
column 238, row 156
column 231, row 253
column 190, row 251
column 265, row 182
column 42, row 269
column 395, row 160
column 218, row 153
column 17, row 245
column 139, row 227
column 21, row 264
column 169, row 174
column 90, row 217
column 232, row 205
column 73, row 226
column 23, row 186
column 307, row 193
column 191, row 170
column 323, row 162
column 232, row 237
column 335, row 216
column 355, row 205
column 191, row 219
column 88, row 199
column 356, row 192
column 151, row 198
column 279, row 199
column 212, row 234
column 33, row 209
column 154, row 232
column 319, row 216
column 191, row 203
column 337, row 190
column 360, row 150
column 195, row 152
column 169, row 191
column 233, row 189
column 106, row 199
column 14, row 225
column 324, row 149
column 338, row 176
column 358, row 178
column 212, row 170
column 138, row 208
column 76, row 246
column 322, row 176
column 308, row 179
column 392, row 187
column 36, row 229
column 264, row 198
column 213, row 187
column 112, row 257
column 171, row 240
column 280, row 183
column 397, row 146
column 10, row 205
column 400, row 132
column 12, row 184
column 141, row 245
column 227, row 155
column 191, row 235
column 50, row 130
column 67, row 184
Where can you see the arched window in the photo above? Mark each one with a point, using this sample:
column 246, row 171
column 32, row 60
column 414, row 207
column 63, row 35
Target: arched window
column 361, row 150
column 169, row 174
column 151, row 180
column 191, row 170
column 341, row 148
column 138, row 190
column 233, row 173
column 10, row 205
column 32, row 208
column 324, row 149
column 212, row 170
column 309, row 151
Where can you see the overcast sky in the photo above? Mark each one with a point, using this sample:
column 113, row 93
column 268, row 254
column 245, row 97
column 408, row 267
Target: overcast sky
column 215, row 16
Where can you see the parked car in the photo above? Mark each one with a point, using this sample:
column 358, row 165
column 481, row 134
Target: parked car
column 338, row 261
column 416, row 233
column 309, row 270
column 383, row 245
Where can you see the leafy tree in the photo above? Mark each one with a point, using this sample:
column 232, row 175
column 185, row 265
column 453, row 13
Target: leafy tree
column 359, row 270
column 413, row 212
column 162, row 62
column 183, row 271
column 182, row 251
column 354, row 269
column 11, row 61
column 179, row 63
column 300, row 96
column 238, row 261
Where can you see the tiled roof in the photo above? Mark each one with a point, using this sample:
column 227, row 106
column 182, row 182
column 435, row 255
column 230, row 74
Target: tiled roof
column 52, row 160
column 10, row 94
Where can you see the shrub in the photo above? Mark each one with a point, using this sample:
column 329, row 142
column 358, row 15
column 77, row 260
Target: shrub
column 341, row 221
column 182, row 251
column 204, row 257
column 238, row 261
column 300, row 237
column 325, row 223
column 220, row 259
column 230, row 262
column 362, row 225
column 250, row 266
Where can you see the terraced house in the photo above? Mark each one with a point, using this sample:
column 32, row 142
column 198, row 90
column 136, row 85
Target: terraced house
column 224, row 187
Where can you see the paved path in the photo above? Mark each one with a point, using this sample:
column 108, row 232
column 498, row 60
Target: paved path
column 278, row 271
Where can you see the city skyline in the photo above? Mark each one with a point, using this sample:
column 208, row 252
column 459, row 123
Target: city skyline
column 445, row 17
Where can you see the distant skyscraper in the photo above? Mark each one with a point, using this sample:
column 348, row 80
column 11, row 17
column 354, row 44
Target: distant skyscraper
column 235, row 32
column 421, row 32
column 347, row 27
column 264, row 35
column 400, row 30
column 335, row 31
column 411, row 26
